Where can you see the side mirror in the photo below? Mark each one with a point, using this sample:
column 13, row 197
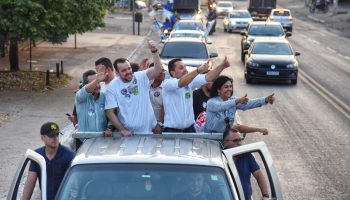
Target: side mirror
column 213, row 55
column 243, row 33
column 297, row 53
column 288, row 34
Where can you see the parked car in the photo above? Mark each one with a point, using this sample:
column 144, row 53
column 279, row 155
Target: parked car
column 261, row 29
column 157, row 167
column 223, row 8
column 282, row 16
column 140, row 4
column 193, row 51
column 271, row 59
column 237, row 20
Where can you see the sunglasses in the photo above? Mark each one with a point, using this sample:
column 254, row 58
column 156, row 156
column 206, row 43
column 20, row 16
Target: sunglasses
column 236, row 140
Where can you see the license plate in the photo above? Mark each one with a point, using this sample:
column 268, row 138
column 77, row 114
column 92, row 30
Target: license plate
column 273, row 73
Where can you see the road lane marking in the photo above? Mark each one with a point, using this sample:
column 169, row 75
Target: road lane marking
column 332, row 50
column 347, row 57
column 328, row 96
column 314, row 41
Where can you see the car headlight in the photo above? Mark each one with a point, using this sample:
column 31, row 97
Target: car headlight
column 253, row 64
column 293, row 65
column 232, row 23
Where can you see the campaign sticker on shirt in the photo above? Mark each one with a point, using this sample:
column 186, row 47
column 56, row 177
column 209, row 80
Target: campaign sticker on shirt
column 102, row 106
column 135, row 90
column 91, row 111
column 124, row 91
column 156, row 94
column 127, row 95
column 187, row 95
column 204, row 104
column 135, row 81
column 130, row 89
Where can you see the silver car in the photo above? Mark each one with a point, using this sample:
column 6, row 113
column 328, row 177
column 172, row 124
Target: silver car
column 282, row 16
column 237, row 20
column 224, row 7
column 151, row 167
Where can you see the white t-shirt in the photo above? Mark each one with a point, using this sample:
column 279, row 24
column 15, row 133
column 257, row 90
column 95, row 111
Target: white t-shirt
column 133, row 102
column 155, row 94
column 178, row 102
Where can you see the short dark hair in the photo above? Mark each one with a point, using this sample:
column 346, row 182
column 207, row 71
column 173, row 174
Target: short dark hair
column 171, row 65
column 86, row 76
column 218, row 83
column 104, row 61
column 134, row 66
column 117, row 61
column 227, row 132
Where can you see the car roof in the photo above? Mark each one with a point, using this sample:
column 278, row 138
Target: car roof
column 185, row 40
column 265, row 23
column 189, row 20
column 187, row 31
column 150, row 149
column 280, row 9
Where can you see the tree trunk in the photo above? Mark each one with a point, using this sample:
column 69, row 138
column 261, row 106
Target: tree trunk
column 13, row 55
column 2, row 48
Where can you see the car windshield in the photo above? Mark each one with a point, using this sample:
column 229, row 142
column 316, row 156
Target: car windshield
column 271, row 48
column 144, row 181
column 240, row 14
column 225, row 5
column 265, row 30
column 189, row 26
column 196, row 50
column 281, row 13
column 186, row 35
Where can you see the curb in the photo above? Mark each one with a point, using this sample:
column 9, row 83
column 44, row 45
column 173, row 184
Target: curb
column 316, row 19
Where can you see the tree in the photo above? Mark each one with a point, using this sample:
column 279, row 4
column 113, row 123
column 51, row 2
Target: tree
column 54, row 20
column 20, row 20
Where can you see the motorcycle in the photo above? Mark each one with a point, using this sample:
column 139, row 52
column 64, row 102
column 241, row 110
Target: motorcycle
column 321, row 5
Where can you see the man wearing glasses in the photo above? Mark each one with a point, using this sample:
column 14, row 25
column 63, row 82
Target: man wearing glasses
column 246, row 165
column 57, row 157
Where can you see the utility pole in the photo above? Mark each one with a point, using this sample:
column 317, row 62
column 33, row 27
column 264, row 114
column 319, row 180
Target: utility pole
column 133, row 17
column 335, row 7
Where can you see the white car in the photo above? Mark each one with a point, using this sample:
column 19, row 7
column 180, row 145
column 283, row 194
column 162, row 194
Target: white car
column 224, row 7
column 237, row 20
column 148, row 166
column 189, row 34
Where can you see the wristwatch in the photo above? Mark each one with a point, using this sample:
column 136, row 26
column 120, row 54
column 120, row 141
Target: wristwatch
column 266, row 195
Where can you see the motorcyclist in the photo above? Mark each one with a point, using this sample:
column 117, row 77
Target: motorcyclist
column 212, row 17
column 167, row 26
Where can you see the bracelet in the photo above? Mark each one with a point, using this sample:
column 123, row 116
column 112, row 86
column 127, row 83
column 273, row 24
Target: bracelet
column 198, row 71
column 266, row 195
column 155, row 51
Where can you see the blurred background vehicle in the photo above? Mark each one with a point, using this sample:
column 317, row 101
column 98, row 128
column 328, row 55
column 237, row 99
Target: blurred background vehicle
column 283, row 16
column 237, row 20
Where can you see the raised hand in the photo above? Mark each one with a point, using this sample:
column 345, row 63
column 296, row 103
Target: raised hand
column 152, row 45
column 204, row 67
column 270, row 99
column 225, row 63
column 242, row 100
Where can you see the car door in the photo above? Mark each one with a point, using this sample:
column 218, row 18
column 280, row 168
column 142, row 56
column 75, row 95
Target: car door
column 18, row 182
column 271, row 175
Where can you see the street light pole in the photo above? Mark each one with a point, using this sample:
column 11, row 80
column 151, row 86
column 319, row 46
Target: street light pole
column 335, row 7
column 133, row 17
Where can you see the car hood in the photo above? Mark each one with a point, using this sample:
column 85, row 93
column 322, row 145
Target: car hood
column 272, row 59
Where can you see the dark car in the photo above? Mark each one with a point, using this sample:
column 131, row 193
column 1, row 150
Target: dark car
column 271, row 59
column 261, row 29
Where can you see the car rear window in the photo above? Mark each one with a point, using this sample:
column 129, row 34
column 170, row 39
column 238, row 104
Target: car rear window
column 240, row 14
column 144, row 181
column 189, row 26
column 225, row 5
column 281, row 13
column 188, row 35
column 271, row 48
column 265, row 30
column 196, row 50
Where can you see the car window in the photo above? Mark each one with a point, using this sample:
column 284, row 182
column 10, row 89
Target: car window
column 265, row 30
column 186, row 35
column 281, row 13
column 144, row 181
column 189, row 26
column 272, row 48
column 185, row 50
column 240, row 14
column 225, row 5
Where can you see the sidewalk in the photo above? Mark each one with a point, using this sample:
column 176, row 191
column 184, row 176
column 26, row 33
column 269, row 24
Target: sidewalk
column 22, row 113
column 339, row 23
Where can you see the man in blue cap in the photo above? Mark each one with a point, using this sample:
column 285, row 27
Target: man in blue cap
column 57, row 157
